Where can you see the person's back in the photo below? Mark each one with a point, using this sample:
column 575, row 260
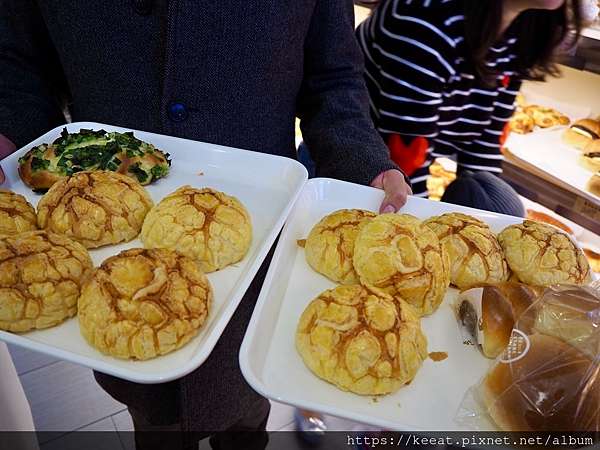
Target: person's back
column 443, row 75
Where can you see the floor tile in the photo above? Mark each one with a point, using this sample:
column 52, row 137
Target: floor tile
column 338, row 424
column 85, row 439
column 204, row 445
column 27, row 360
column 281, row 415
column 124, row 426
column 65, row 397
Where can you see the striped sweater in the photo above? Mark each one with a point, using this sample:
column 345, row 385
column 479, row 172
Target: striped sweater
column 421, row 84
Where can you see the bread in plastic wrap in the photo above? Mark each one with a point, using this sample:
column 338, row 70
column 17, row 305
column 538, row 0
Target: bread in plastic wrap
column 548, row 379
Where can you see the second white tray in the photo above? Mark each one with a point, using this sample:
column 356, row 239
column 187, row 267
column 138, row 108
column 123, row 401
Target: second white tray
column 546, row 150
column 268, row 356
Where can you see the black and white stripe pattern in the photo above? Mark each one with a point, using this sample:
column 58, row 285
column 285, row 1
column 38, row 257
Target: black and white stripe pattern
column 421, row 85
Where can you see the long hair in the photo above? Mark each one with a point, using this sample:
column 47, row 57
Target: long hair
column 539, row 34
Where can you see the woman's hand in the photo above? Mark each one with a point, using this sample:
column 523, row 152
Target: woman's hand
column 396, row 190
column 6, row 148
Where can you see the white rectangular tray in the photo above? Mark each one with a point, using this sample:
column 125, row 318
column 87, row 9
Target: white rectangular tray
column 545, row 150
column 268, row 356
column 267, row 185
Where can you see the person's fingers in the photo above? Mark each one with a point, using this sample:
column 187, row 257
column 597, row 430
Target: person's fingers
column 378, row 181
column 396, row 191
column 6, row 148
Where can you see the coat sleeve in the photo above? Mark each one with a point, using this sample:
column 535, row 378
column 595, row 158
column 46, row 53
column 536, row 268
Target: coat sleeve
column 333, row 104
column 31, row 79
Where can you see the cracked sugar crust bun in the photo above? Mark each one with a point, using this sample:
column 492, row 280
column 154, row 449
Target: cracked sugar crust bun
column 475, row 254
column 203, row 224
column 542, row 255
column 143, row 303
column 40, row 279
column 16, row 214
column 329, row 247
column 403, row 257
column 95, row 208
column 361, row 341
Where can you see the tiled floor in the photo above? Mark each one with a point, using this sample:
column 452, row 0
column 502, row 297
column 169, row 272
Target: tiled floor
column 65, row 397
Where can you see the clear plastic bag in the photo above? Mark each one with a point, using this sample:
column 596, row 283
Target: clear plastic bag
column 548, row 379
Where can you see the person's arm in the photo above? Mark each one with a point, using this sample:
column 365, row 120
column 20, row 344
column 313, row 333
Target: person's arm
column 333, row 100
column 483, row 154
column 31, row 80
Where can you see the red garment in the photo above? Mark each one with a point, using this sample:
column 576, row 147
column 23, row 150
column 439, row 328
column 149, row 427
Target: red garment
column 408, row 157
column 411, row 157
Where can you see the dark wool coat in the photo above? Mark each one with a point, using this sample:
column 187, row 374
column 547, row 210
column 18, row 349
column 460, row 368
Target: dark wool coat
column 232, row 72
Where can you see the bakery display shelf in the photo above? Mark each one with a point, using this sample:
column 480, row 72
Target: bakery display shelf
column 543, row 153
column 552, row 192
column 273, row 367
column 268, row 198
column 592, row 32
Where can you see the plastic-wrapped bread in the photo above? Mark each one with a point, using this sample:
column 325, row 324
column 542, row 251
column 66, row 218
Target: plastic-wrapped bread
column 572, row 314
column 489, row 313
column 552, row 387
column 548, row 378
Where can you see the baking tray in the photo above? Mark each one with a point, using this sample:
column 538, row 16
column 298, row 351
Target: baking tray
column 267, row 185
column 273, row 367
column 546, row 151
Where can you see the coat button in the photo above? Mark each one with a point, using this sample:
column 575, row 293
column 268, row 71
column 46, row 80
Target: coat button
column 177, row 112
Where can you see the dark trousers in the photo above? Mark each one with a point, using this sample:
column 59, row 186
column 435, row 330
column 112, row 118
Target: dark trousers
column 248, row 433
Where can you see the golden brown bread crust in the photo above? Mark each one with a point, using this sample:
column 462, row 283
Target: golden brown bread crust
column 40, row 279
column 539, row 216
column 542, row 255
column 39, row 180
column 593, row 259
column 144, row 303
column 521, row 296
column 329, row 248
column 490, row 313
column 403, row 257
column 16, row 214
column 497, row 321
column 44, row 165
column 590, row 158
column 203, row 224
column 95, row 208
column 475, row 254
column 521, row 123
column 593, row 184
column 360, row 340
column 581, row 133
column 545, row 390
column 546, row 117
